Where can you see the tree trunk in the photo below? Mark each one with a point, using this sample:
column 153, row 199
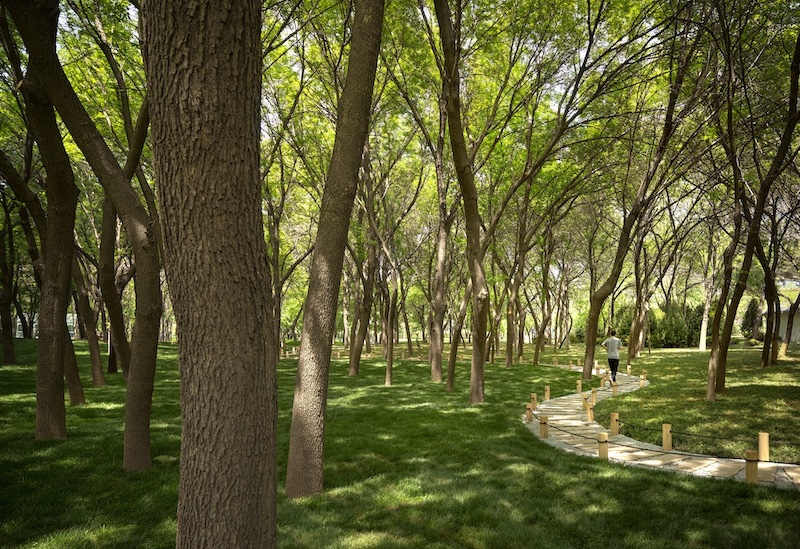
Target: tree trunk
column 206, row 151
column 121, row 354
column 787, row 337
column 31, row 18
column 304, row 471
column 87, row 316
column 469, row 194
column 391, row 325
column 7, row 327
column 71, row 373
column 62, row 199
column 364, row 312
column 455, row 338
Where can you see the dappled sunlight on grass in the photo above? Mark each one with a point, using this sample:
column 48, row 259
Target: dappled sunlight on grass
column 407, row 466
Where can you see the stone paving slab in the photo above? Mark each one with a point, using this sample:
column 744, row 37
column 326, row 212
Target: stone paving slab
column 570, row 431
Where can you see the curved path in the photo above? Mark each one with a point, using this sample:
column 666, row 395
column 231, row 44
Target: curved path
column 570, row 430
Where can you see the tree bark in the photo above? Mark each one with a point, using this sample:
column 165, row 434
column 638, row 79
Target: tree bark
column 469, row 193
column 304, row 473
column 62, row 199
column 7, row 298
column 87, row 318
column 365, row 310
column 108, row 288
column 206, row 152
column 36, row 22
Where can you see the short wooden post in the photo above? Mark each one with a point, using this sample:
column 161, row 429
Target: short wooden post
column 666, row 437
column 763, row 446
column 614, row 423
column 534, row 400
column 644, row 374
column 751, row 467
column 579, row 386
column 614, row 386
column 585, row 400
column 641, row 381
column 589, row 412
column 629, row 369
column 542, row 426
column 594, row 396
column 547, row 392
column 602, row 445
column 528, row 413
column 555, row 360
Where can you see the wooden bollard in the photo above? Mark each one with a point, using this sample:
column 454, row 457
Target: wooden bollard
column 751, row 467
column 629, row 369
column 528, row 413
column 614, row 423
column 590, row 412
column 542, row 426
column 666, row 437
column 534, row 400
column 763, row 446
column 641, row 381
column 547, row 392
column 602, row 445
column 594, row 396
column 614, row 386
column 644, row 374
column 579, row 386
column 555, row 360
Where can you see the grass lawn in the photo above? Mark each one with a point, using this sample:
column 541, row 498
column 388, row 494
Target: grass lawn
column 406, row 466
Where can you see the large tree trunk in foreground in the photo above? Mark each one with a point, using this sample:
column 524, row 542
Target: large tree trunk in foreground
column 306, row 439
column 207, row 163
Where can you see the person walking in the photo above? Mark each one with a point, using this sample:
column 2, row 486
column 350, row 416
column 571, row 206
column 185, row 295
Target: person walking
column 612, row 345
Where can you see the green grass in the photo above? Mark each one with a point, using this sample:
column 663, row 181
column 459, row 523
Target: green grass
column 406, row 466
column 755, row 400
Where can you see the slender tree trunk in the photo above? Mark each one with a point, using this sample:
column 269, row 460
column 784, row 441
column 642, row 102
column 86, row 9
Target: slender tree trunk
column 108, row 289
column 469, row 194
column 71, row 373
column 7, row 327
column 787, row 337
column 364, row 311
column 205, row 146
column 62, row 199
column 455, row 338
column 304, row 473
column 87, row 316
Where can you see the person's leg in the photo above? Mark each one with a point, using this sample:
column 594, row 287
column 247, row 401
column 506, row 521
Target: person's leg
column 613, row 363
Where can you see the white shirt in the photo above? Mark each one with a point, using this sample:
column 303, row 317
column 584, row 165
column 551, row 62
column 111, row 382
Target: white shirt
column 612, row 345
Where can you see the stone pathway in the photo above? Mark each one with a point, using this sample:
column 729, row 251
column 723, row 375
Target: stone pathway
column 570, row 430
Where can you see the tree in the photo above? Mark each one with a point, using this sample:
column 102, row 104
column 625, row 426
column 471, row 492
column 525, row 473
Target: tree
column 735, row 29
column 207, row 164
column 304, row 475
column 37, row 24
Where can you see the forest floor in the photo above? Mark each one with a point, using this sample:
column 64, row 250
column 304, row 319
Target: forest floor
column 415, row 466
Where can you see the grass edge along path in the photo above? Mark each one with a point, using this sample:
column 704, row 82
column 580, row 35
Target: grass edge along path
column 406, row 466
column 567, row 423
